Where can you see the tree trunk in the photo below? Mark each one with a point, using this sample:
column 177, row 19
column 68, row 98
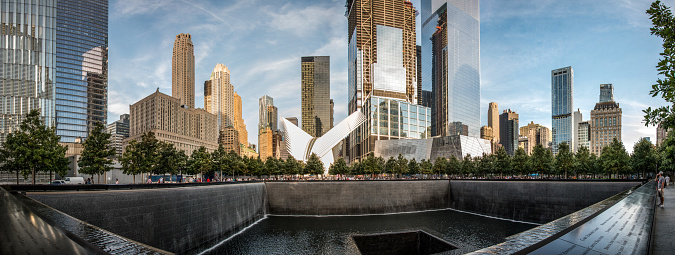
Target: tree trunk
column 17, row 177
column 134, row 179
column 33, row 170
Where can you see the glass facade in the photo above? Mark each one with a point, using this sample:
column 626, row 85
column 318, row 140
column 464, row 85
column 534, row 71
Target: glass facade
column 432, row 148
column 606, row 93
column 562, row 91
column 27, row 61
column 266, row 108
column 388, row 72
column 451, row 57
column 316, row 102
column 81, row 66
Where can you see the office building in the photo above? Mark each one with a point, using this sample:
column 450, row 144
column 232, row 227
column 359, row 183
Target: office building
column 605, row 121
column 269, row 144
column 382, row 51
column 486, row 133
column 508, row 123
column 388, row 119
column 562, row 92
column 293, row 120
column 577, row 118
column 219, row 97
column 183, row 70
column 81, row 94
column 229, row 139
column 661, row 134
column 264, row 111
column 493, row 120
column 316, row 103
column 38, row 71
column 186, row 128
column 535, row 134
column 118, row 130
column 451, row 63
column 239, row 124
column 33, row 87
column 584, row 135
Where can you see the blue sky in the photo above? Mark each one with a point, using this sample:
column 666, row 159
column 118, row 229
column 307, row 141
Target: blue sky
column 261, row 42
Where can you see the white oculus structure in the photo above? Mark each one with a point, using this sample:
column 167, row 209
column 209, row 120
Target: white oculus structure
column 301, row 145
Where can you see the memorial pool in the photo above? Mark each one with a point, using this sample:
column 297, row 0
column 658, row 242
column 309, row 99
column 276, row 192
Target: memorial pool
column 332, row 234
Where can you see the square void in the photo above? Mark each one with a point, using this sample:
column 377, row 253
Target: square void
column 414, row 242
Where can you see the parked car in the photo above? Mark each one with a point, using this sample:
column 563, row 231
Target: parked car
column 74, row 180
column 58, row 182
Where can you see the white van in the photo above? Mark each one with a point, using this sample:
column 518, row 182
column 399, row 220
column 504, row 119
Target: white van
column 74, row 180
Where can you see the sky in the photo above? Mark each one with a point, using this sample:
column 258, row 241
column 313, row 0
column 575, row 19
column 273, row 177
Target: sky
column 261, row 42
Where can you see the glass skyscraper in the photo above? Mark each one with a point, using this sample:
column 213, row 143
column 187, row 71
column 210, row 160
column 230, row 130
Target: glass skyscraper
column 27, row 61
column 81, row 95
column 316, row 103
column 562, row 103
column 451, row 64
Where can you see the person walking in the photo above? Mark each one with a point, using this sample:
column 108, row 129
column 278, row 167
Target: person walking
column 667, row 181
column 660, row 182
column 117, row 181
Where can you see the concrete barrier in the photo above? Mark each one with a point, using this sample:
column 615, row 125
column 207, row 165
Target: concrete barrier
column 179, row 220
column 355, row 197
column 531, row 201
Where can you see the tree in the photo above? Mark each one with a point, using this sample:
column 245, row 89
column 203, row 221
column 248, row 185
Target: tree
column 502, row 161
column 663, row 21
column 291, row 166
column 540, row 160
column 413, row 167
column 667, row 153
column 401, row 166
column 644, row 158
column 96, row 153
column 271, row 166
column 425, row 166
column 132, row 159
column 389, row 166
column 439, row 166
column 168, row 159
column 486, row 165
column 148, row 149
column 200, row 161
column 468, row 166
column 615, row 159
column 564, row 161
column 339, row 167
column 371, row 165
column 221, row 161
column 314, row 165
column 454, row 166
column 237, row 164
column 521, row 162
column 583, row 161
column 33, row 148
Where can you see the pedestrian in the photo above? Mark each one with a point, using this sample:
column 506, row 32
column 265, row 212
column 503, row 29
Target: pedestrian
column 667, row 181
column 660, row 183
column 149, row 181
column 117, row 181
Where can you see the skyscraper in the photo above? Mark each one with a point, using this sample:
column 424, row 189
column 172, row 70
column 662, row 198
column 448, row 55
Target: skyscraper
column 265, row 108
column 219, row 96
column 81, row 88
column 562, row 104
column 239, row 124
column 578, row 118
column 183, row 70
column 56, row 60
column 605, row 121
column 381, row 50
column 536, row 135
column 493, row 120
column 118, row 130
column 606, row 93
column 508, row 122
column 33, row 87
column 418, row 80
column 451, row 63
column 316, row 102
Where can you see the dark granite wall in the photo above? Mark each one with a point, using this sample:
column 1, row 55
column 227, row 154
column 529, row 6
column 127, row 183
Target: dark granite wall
column 530, row 201
column 173, row 219
column 355, row 197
